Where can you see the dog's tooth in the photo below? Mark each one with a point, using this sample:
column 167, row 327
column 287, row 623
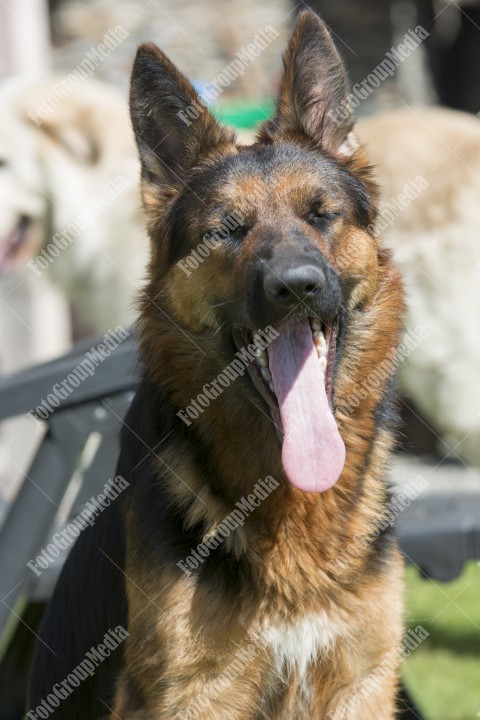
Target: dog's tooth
column 270, row 385
column 323, row 364
column 262, row 361
column 316, row 324
column 320, row 342
column 266, row 374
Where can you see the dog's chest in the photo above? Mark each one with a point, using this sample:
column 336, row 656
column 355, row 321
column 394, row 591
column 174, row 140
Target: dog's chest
column 295, row 644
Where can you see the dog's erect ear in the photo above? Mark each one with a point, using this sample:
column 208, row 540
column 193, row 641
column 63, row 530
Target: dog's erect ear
column 172, row 127
column 313, row 98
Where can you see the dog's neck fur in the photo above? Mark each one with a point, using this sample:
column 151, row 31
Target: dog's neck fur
column 221, row 469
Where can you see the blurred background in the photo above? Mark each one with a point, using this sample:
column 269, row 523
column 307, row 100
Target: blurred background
column 73, row 249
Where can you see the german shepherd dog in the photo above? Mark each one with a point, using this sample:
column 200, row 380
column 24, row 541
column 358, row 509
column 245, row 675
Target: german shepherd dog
column 218, row 567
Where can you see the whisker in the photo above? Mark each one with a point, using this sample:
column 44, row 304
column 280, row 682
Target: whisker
column 225, row 302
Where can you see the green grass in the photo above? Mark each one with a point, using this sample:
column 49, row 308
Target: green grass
column 443, row 673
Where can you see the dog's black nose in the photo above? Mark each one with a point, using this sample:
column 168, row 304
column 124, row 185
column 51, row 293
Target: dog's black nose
column 289, row 286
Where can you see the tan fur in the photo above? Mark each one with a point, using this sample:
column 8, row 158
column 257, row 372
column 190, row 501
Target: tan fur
column 186, row 634
column 435, row 243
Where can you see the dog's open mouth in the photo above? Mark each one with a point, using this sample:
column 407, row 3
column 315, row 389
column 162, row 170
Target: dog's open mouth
column 294, row 376
column 10, row 244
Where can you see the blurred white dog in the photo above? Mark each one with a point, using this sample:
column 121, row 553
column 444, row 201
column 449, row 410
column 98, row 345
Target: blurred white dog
column 428, row 162
column 69, row 201
column 70, row 221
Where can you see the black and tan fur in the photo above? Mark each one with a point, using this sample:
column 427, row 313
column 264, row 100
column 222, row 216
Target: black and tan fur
column 308, row 189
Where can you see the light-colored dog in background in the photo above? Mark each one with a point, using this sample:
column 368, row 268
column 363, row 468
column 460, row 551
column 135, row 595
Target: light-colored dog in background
column 69, row 206
column 436, row 240
column 71, row 232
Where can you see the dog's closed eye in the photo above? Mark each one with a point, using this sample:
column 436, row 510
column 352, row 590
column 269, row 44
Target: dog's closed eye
column 240, row 233
column 228, row 230
column 321, row 220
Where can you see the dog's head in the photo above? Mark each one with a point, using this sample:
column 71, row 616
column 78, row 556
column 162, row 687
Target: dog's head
column 271, row 243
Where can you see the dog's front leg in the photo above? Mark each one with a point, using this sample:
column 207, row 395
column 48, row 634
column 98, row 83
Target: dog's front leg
column 226, row 696
column 365, row 703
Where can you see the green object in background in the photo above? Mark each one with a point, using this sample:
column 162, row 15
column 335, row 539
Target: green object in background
column 443, row 673
column 243, row 114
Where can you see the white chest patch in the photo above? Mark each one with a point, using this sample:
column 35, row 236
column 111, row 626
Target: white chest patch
column 296, row 644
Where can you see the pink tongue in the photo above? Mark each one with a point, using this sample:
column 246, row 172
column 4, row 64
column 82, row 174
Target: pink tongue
column 313, row 453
